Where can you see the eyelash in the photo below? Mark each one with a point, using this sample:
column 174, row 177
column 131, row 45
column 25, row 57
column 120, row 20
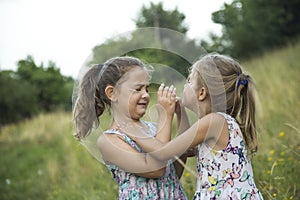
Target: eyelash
column 139, row 89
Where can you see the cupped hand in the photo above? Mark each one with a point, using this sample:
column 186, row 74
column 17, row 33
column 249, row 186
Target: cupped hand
column 166, row 99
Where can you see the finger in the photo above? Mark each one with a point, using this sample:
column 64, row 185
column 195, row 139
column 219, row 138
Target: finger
column 165, row 91
column 173, row 94
column 170, row 91
column 160, row 89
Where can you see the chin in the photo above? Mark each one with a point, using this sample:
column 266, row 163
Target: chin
column 138, row 116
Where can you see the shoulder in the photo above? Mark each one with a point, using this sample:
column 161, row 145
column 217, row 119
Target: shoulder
column 108, row 142
column 213, row 124
column 213, row 119
column 109, row 137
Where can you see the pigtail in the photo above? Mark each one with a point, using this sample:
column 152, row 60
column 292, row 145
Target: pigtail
column 88, row 106
column 245, row 92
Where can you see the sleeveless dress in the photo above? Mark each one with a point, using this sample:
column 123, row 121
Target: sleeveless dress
column 133, row 187
column 226, row 174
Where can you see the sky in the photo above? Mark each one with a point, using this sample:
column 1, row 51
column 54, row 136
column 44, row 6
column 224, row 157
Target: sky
column 65, row 31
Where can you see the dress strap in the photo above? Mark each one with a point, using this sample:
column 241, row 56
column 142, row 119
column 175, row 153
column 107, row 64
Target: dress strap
column 127, row 139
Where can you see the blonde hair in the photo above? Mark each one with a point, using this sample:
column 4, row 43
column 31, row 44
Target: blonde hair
column 231, row 91
column 92, row 100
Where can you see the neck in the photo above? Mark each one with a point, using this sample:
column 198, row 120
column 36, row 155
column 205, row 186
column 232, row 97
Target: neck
column 119, row 122
column 204, row 109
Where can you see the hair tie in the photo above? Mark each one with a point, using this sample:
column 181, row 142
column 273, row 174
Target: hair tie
column 242, row 81
column 101, row 68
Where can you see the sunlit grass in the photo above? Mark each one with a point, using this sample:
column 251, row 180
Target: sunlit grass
column 40, row 159
column 277, row 163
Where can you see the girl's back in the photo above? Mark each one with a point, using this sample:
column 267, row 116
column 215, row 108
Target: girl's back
column 226, row 173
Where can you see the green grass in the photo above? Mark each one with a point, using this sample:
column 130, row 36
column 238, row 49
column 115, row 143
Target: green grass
column 41, row 160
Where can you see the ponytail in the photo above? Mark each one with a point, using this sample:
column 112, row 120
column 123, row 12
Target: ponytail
column 244, row 106
column 89, row 104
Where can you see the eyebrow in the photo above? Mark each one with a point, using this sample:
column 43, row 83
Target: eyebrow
column 142, row 84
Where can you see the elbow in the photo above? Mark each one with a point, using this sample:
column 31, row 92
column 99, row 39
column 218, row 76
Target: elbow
column 160, row 173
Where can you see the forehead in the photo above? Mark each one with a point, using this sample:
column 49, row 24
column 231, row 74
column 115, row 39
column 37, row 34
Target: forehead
column 136, row 75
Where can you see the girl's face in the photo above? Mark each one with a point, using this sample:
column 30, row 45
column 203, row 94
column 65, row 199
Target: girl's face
column 190, row 91
column 132, row 94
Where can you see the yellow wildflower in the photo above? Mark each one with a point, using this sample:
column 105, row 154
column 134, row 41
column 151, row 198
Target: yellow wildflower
column 271, row 152
column 275, row 195
column 270, row 158
column 281, row 134
column 187, row 174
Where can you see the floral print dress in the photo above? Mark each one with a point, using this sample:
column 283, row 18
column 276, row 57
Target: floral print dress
column 227, row 173
column 133, row 187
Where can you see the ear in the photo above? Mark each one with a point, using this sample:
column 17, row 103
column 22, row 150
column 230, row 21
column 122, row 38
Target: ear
column 202, row 94
column 109, row 91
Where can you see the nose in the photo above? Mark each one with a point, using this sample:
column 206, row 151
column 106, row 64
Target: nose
column 145, row 95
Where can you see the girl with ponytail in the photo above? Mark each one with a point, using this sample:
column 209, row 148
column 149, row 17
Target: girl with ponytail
column 120, row 85
column 222, row 96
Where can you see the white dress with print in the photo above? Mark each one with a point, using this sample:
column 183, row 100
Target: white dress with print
column 227, row 173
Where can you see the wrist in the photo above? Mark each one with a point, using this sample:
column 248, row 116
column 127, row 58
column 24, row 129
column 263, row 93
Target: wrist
column 166, row 118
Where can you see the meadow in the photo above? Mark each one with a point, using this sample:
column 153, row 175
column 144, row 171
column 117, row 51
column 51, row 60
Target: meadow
column 40, row 159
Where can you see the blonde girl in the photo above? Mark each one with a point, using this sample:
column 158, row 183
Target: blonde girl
column 222, row 95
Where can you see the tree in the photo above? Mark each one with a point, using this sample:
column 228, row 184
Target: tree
column 32, row 89
column 156, row 16
column 160, row 38
column 51, row 85
column 18, row 98
column 252, row 26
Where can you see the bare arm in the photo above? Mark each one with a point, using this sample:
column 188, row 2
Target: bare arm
column 205, row 129
column 182, row 125
column 117, row 152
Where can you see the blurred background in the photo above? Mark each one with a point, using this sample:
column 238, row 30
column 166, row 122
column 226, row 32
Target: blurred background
column 44, row 44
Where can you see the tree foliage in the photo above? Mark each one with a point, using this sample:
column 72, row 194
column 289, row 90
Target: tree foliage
column 32, row 89
column 159, row 38
column 156, row 16
column 252, row 26
column 18, row 98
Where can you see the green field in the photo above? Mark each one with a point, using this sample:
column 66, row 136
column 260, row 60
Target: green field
column 41, row 160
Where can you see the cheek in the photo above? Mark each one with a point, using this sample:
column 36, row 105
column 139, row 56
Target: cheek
column 189, row 96
column 133, row 99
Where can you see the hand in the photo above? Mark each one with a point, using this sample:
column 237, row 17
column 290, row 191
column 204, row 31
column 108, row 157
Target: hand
column 166, row 99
